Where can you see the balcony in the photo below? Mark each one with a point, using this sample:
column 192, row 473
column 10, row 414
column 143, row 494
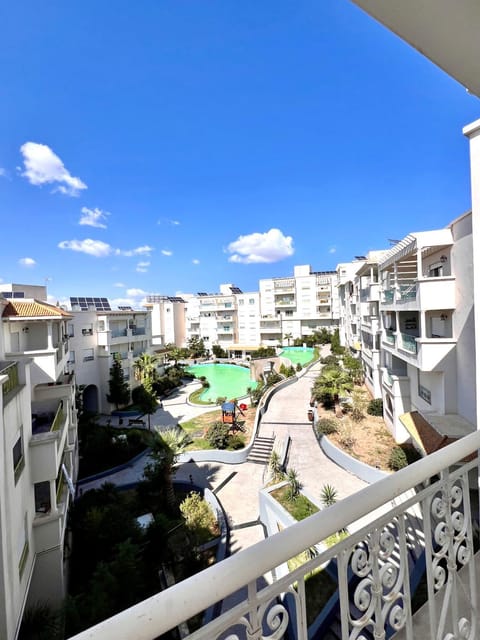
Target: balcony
column 138, row 331
column 388, row 296
column 389, row 338
column 418, row 519
column 49, row 434
column 408, row 343
column 118, row 333
column 9, row 369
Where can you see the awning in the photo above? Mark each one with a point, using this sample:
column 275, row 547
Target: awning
column 423, row 433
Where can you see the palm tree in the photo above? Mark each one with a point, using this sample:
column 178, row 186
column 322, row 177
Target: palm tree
column 275, row 466
column 288, row 337
column 145, row 369
column 334, row 381
column 166, row 446
column 294, row 484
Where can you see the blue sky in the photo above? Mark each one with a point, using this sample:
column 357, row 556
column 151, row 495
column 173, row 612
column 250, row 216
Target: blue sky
column 167, row 146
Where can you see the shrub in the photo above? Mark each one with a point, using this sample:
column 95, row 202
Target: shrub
column 235, row 442
column 398, row 459
column 327, row 426
column 299, row 366
column 375, row 407
column 328, row 495
column 217, row 435
column 220, row 400
column 199, row 518
column 331, row 360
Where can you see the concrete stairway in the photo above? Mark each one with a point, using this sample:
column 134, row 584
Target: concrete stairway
column 261, row 450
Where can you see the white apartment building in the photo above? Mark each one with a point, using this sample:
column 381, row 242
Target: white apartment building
column 297, row 306
column 97, row 334
column 168, row 319
column 38, row 453
column 368, row 318
column 349, row 303
column 428, row 337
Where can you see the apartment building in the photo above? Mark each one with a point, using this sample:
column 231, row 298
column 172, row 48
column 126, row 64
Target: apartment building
column 348, row 298
column 368, row 318
column 97, row 335
column 168, row 319
column 38, row 451
column 297, row 306
column 428, row 342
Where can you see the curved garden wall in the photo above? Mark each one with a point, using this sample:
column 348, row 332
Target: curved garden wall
column 363, row 471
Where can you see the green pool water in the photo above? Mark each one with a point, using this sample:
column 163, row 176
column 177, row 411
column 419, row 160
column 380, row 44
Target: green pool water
column 298, row 354
column 226, row 380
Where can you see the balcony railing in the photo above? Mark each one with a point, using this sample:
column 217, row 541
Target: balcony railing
column 388, row 296
column 408, row 292
column 138, row 331
column 387, row 378
column 417, row 518
column 408, row 343
column 10, row 370
column 118, row 333
column 389, row 337
column 58, row 420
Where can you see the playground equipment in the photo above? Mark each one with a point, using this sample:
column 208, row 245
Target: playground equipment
column 229, row 414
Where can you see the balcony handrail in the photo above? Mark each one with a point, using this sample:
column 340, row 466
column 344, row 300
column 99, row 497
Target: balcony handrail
column 159, row 613
column 57, row 421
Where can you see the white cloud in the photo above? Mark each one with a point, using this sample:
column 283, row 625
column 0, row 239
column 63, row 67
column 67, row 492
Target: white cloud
column 95, row 248
column 166, row 252
column 93, row 217
column 3, row 172
column 120, row 285
column 174, row 223
column 195, row 261
column 101, row 249
column 43, row 166
column 142, row 267
column 332, row 250
column 145, row 250
column 123, row 302
column 271, row 246
column 27, row 262
column 136, row 293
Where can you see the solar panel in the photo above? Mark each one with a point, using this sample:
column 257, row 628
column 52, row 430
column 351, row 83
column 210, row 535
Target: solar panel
column 202, row 293
column 125, row 308
column 81, row 303
column 235, row 290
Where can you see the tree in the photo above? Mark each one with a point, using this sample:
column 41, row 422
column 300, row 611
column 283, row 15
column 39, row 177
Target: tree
column 334, row 381
column 218, row 352
column 118, row 389
column 288, row 337
column 275, row 466
column 196, row 347
column 166, row 447
column 146, row 400
column 354, row 367
column 145, row 369
column 199, row 517
column 217, row 435
column 294, row 484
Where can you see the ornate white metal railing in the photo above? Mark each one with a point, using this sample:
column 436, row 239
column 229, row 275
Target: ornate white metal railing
column 419, row 516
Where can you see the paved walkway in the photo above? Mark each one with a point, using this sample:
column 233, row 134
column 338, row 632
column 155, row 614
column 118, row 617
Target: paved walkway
column 237, row 485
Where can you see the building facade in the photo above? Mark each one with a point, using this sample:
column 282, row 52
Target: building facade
column 96, row 338
column 39, row 454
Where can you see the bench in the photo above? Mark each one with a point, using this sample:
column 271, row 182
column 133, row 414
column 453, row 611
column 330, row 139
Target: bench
column 138, row 421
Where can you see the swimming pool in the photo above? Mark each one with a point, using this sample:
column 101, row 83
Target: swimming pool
column 302, row 355
column 226, row 380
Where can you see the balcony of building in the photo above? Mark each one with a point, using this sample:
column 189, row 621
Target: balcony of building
column 284, row 286
column 50, row 423
column 415, row 524
column 285, row 301
column 12, row 381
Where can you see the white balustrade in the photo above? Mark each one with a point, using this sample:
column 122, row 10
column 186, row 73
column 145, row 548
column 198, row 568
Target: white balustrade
column 423, row 509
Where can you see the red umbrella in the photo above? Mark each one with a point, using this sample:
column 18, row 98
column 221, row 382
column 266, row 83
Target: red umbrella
column 243, row 407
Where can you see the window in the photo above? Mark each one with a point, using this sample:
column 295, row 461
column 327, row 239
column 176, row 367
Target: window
column 435, row 270
column 251, row 301
column 70, row 330
column 71, row 357
column 18, row 458
column 87, row 331
column 23, row 546
column 42, row 497
column 241, row 302
column 88, row 355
